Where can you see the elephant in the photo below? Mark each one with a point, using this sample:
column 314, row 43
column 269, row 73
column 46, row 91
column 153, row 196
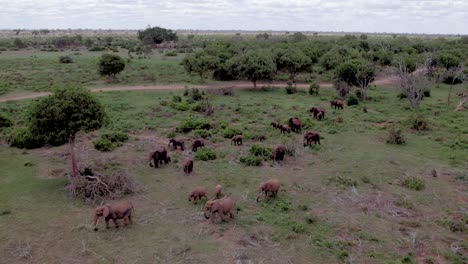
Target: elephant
column 177, row 143
column 295, row 124
column 278, row 152
column 218, row 191
column 236, row 140
column 317, row 111
column 337, row 104
column 275, row 124
column 197, row 143
column 285, row 129
column 158, row 157
column 271, row 186
column 311, row 136
column 119, row 210
column 197, row 194
column 188, row 166
column 221, row 206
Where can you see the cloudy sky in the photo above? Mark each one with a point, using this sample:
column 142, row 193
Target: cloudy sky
column 410, row 16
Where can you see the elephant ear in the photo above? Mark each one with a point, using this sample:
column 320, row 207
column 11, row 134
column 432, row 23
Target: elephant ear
column 105, row 211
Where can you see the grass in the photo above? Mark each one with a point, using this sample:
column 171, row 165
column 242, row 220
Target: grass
column 310, row 221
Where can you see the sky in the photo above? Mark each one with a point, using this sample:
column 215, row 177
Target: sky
column 392, row 16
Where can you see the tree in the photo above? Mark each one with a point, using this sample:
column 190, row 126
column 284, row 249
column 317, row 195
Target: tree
column 156, row 35
column 253, row 66
column 60, row 116
column 293, row 61
column 357, row 72
column 412, row 84
column 298, row 37
column 110, row 65
column 200, row 62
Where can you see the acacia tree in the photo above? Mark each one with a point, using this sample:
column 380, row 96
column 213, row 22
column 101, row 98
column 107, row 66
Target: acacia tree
column 60, row 116
column 253, row 66
column 201, row 63
column 293, row 61
column 412, row 84
column 357, row 72
column 156, row 35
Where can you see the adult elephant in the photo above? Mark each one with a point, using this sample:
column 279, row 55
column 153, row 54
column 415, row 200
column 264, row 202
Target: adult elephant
column 222, row 207
column 197, row 143
column 115, row 211
column 318, row 112
column 270, row 187
column 158, row 157
column 310, row 137
column 279, row 152
column 295, row 124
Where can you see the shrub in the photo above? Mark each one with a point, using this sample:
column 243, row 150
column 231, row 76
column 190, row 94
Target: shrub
column 427, row 93
column 260, row 151
column 115, row 137
column 23, row 138
column 103, row 144
column 181, row 106
column 290, row 89
column 97, row 48
column 413, row 183
column 110, row 65
column 5, row 122
column 314, row 88
column 194, row 94
column 395, row 136
column 202, row 133
column 172, row 53
column 298, row 228
column 65, row 59
column 230, row 131
column 205, row 154
column 251, row 160
column 419, row 122
column 176, row 99
column 352, row 100
column 192, row 124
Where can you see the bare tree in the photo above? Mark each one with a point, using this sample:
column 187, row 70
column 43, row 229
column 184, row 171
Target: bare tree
column 412, row 85
column 455, row 75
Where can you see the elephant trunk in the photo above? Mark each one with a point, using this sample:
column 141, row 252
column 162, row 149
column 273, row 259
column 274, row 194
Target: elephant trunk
column 258, row 196
column 206, row 215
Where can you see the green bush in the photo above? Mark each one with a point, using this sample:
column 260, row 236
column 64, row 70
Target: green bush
column 5, row 122
column 65, row 59
column 395, row 136
column 205, row 154
column 23, row 138
column 314, row 88
column 176, row 99
column 260, row 151
column 194, row 94
column 192, row 124
column 115, row 137
column 251, row 160
column 181, row 106
column 97, row 48
column 172, row 53
column 413, row 183
column 419, row 122
column 103, row 144
column 352, row 100
column 202, row 133
column 290, row 89
column 230, row 131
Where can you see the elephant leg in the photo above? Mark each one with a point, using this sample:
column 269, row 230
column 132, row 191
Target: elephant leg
column 266, row 196
column 107, row 223
column 115, row 223
column 222, row 216
column 231, row 215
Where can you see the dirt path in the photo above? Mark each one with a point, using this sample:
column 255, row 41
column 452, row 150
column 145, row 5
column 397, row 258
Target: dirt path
column 231, row 84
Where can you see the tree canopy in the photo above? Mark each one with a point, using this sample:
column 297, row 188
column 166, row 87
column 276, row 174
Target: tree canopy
column 357, row 72
column 200, row 62
column 156, row 35
column 253, row 66
column 293, row 61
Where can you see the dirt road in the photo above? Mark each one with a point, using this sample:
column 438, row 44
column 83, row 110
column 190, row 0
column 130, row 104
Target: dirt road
column 231, row 84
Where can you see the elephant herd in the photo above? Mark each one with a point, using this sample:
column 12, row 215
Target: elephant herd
column 221, row 205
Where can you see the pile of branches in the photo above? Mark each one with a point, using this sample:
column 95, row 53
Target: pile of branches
column 93, row 187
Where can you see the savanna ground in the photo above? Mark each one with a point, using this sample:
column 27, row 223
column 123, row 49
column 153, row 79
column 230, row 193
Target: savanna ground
column 342, row 201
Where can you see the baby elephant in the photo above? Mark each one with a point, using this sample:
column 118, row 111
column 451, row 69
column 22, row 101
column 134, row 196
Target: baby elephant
column 221, row 206
column 188, row 166
column 271, row 186
column 197, row 143
column 278, row 152
column 177, row 143
column 237, row 140
column 197, row 194
column 218, row 191
column 119, row 210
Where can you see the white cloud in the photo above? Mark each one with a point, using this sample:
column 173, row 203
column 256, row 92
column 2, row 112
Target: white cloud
column 421, row 16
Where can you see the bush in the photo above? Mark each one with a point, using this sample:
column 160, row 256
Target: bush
column 23, row 138
column 5, row 122
column 230, row 131
column 110, row 140
column 176, row 99
column 314, row 88
column 251, row 160
column 192, row 124
column 202, row 133
column 413, row 183
column 290, row 89
column 395, row 136
column 194, row 94
column 427, row 93
column 115, row 137
column 419, row 122
column 65, row 59
column 172, row 53
column 97, row 48
column 103, row 144
column 352, row 100
column 110, row 65
column 260, row 151
column 205, row 154
column 181, row 106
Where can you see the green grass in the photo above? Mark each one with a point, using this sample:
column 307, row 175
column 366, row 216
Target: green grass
column 337, row 202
